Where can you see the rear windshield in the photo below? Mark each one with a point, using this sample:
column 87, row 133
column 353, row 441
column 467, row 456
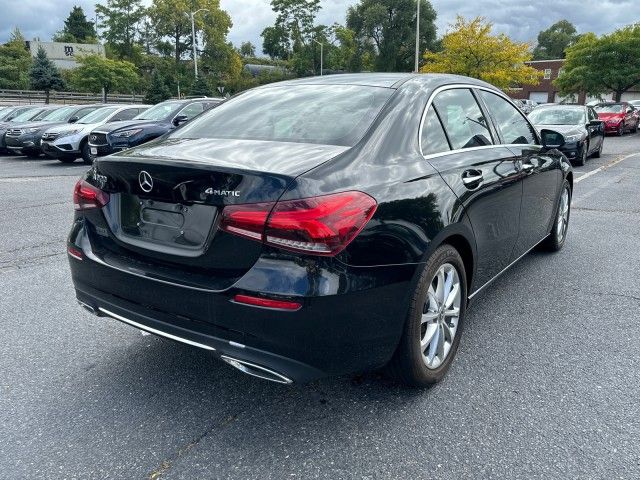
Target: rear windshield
column 613, row 108
column 324, row 114
column 558, row 116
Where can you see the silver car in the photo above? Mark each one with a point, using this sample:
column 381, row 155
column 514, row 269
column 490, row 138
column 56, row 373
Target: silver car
column 68, row 142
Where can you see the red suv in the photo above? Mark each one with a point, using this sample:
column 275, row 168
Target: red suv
column 618, row 117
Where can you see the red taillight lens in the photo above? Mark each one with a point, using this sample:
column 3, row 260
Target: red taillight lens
column 322, row 225
column 266, row 302
column 86, row 196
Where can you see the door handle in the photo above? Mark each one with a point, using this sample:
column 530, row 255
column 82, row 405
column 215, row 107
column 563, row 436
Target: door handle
column 472, row 178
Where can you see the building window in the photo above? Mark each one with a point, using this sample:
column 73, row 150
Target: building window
column 560, row 70
column 547, row 73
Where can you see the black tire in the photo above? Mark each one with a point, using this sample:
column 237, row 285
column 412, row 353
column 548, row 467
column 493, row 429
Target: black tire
column 67, row 159
column 635, row 129
column 581, row 159
column 31, row 153
column 620, row 131
column 554, row 242
column 86, row 153
column 407, row 364
column 598, row 153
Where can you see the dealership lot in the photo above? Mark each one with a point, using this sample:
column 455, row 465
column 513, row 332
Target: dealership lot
column 545, row 383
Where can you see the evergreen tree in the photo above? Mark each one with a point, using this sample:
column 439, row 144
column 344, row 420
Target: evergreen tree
column 76, row 28
column 44, row 75
column 200, row 88
column 158, row 90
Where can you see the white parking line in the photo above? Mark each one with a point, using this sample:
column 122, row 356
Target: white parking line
column 604, row 167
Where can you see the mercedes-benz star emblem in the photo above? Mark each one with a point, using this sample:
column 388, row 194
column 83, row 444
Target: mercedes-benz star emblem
column 146, row 182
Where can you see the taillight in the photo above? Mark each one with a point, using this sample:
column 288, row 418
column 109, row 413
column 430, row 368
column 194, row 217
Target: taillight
column 322, row 225
column 87, row 196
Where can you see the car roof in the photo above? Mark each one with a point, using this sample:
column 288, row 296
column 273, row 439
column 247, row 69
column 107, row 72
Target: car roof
column 387, row 80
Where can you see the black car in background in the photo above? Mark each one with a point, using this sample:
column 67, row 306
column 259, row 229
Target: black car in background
column 321, row 226
column 579, row 124
column 153, row 123
column 26, row 138
column 27, row 114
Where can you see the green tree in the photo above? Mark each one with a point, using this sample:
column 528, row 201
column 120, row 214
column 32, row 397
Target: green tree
column 247, row 49
column 610, row 63
column 158, row 90
column 553, row 41
column 275, row 43
column 95, row 73
column 172, row 21
column 292, row 33
column 470, row 49
column 44, row 75
column 15, row 61
column 120, row 22
column 77, row 28
column 200, row 87
column 390, row 26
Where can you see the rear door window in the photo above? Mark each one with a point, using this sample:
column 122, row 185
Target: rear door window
column 463, row 120
column 432, row 138
column 510, row 122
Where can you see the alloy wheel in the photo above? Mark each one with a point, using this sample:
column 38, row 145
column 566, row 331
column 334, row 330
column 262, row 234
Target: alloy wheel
column 563, row 215
column 440, row 316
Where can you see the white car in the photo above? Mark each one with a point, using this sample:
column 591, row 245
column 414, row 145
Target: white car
column 68, row 142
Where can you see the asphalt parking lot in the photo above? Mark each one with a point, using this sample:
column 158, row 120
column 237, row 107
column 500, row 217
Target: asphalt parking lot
column 545, row 385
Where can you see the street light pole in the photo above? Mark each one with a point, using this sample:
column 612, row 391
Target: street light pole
column 417, row 35
column 321, row 54
column 193, row 39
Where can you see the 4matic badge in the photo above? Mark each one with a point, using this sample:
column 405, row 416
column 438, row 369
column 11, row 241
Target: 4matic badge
column 222, row 193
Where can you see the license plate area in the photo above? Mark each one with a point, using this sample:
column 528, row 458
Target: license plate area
column 93, row 150
column 169, row 227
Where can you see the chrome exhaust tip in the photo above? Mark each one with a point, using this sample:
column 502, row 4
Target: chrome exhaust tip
column 256, row 370
column 88, row 308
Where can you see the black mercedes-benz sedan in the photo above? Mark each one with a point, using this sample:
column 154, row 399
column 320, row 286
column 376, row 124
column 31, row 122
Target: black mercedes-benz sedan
column 579, row 124
column 151, row 124
column 322, row 226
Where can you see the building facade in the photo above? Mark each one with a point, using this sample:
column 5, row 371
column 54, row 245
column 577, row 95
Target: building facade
column 63, row 55
column 546, row 92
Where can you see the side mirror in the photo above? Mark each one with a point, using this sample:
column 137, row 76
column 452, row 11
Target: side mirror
column 180, row 119
column 551, row 139
column 74, row 119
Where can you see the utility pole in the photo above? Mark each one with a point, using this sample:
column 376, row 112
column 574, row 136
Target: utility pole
column 193, row 39
column 417, row 36
column 321, row 54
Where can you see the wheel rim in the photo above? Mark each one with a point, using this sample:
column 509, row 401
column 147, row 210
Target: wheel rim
column 563, row 215
column 440, row 316
column 584, row 153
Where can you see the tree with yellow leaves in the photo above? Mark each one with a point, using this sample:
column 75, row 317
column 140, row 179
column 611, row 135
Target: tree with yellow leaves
column 470, row 49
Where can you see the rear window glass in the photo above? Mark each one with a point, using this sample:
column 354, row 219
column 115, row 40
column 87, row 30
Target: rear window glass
column 323, row 114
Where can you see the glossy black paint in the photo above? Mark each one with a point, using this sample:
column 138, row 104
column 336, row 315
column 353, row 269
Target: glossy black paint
column 353, row 305
column 106, row 143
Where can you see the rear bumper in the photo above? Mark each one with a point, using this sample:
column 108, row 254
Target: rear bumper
column 351, row 319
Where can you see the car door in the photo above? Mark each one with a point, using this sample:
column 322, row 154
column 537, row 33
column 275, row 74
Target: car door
column 540, row 171
column 482, row 175
column 596, row 129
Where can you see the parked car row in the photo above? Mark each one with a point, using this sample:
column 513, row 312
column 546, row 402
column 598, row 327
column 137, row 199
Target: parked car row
column 585, row 126
column 89, row 131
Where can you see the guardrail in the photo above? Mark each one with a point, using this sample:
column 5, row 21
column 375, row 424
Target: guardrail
column 27, row 97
